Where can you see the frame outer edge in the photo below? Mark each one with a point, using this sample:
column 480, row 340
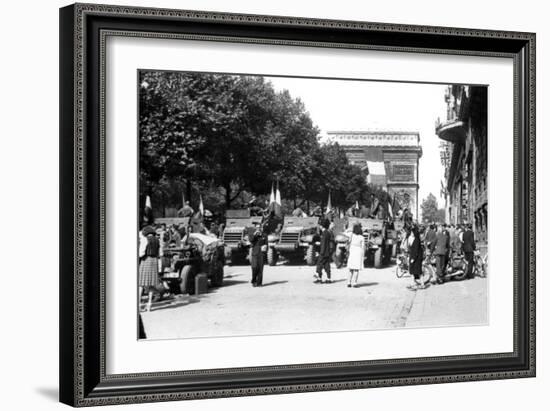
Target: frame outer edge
column 66, row 200
column 72, row 191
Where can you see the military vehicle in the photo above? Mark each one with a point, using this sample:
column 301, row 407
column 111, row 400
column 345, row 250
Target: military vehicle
column 198, row 254
column 378, row 247
column 297, row 240
column 238, row 225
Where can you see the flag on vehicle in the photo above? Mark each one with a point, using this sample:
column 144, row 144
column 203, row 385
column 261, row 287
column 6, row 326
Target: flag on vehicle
column 272, row 196
column 329, row 203
column 201, row 206
column 277, row 203
column 148, row 211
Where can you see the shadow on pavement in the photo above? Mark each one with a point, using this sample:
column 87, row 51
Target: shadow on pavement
column 176, row 302
column 227, row 283
column 274, row 283
column 361, row 285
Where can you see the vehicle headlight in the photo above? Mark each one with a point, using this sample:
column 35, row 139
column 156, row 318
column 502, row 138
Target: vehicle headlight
column 272, row 238
column 377, row 240
column 307, row 238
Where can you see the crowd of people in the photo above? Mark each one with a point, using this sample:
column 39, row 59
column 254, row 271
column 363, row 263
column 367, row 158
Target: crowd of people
column 438, row 240
column 442, row 241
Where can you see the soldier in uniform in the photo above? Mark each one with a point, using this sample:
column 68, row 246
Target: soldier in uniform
column 258, row 244
column 186, row 210
column 325, row 253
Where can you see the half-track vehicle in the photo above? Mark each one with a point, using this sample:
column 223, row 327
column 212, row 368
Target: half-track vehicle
column 378, row 247
column 238, row 225
column 297, row 240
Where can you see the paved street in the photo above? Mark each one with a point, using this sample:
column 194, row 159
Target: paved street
column 289, row 302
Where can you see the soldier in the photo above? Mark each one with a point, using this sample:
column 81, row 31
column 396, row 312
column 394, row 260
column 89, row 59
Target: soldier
column 258, row 245
column 298, row 212
column 374, row 205
column 186, row 210
column 325, row 253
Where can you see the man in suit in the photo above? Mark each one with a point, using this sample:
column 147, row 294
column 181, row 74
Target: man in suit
column 258, row 244
column 441, row 250
column 429, row 238
column 325, row 253
column 468, row 247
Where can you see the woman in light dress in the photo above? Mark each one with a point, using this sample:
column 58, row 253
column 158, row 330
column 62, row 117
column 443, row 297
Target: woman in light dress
column 356, row 254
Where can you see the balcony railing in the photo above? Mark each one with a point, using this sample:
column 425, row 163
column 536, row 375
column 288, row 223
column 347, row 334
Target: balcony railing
column 453, row 131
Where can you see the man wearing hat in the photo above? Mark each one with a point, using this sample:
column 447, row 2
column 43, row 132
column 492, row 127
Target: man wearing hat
column 325, row 253
column 468, row 247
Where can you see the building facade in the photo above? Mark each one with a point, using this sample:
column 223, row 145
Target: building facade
column 391, row 157
column 464, row 157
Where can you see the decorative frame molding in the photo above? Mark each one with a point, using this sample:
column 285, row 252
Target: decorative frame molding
column 83, row 32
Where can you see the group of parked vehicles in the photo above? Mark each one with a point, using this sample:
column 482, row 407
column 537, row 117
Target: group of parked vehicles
column 296, row 239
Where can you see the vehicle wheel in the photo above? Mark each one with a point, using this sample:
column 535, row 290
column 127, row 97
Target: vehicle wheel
column 378, row 258
column 462, row 276
column 427, row 273
column 187, row 277
column 217, row 277
column 310, row 255
column 271, row 256
column 399, row 272
column 338, row 258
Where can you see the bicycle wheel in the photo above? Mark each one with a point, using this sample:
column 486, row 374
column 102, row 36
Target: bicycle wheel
column 399, row 271
column 428, row 273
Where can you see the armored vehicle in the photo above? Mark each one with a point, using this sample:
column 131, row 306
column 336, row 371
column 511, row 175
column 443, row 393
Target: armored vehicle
column 378, row 247
column 297, row 240
column 238, row 226
column 199, row 253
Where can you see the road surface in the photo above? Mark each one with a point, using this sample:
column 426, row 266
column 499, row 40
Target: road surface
column 289, row 302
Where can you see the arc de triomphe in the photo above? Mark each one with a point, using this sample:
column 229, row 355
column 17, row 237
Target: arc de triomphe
column 392, row 158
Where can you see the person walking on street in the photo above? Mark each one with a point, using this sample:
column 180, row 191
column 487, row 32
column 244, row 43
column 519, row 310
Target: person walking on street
column 441, row 250
column 325, row 252
column 149, row 253
column 415, row 259
column 356, row 254
column 468, row 247
column 258, row 245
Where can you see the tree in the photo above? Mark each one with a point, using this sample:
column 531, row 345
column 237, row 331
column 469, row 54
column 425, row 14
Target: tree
column 228, row 137
column 431, row 211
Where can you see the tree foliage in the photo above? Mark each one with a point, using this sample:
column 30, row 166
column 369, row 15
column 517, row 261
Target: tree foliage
column 225, row 136
column 430, row 210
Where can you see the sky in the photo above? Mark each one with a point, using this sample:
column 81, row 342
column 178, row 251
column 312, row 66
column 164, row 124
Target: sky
column 338, row 105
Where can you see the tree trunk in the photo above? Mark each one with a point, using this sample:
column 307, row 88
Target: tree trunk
column 227, row 188
column 188, row 190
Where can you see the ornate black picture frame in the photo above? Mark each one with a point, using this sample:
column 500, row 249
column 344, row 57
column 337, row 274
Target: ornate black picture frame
column 83, row 30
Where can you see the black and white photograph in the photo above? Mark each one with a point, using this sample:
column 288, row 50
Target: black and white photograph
column 284, row 205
